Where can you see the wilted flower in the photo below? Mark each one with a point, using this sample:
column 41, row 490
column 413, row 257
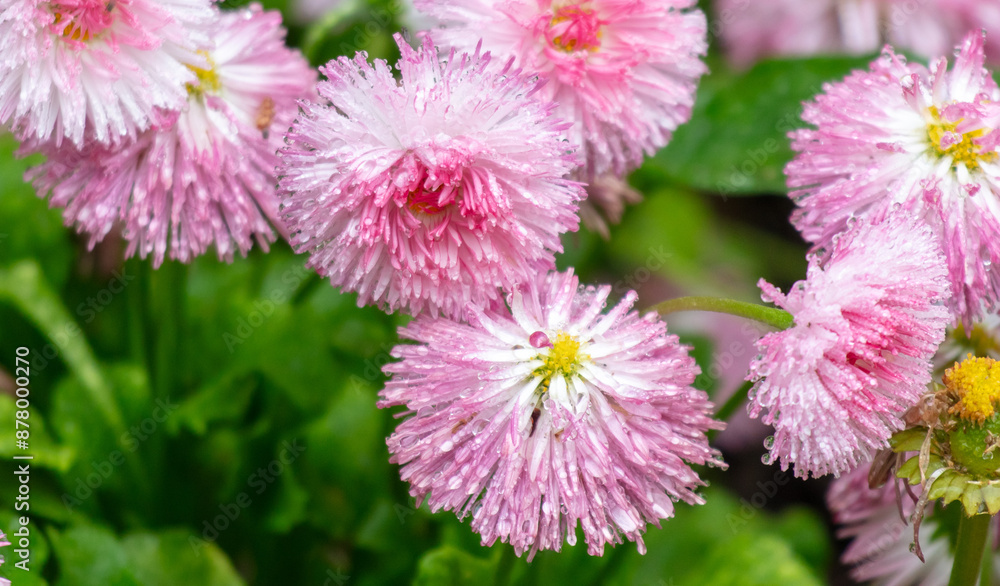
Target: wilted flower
column 201, row 177
column 547, row 414
column 432, row 192
column 900, row 135
column 95, row 69
column 624, row 72
column 607, row 197
column 880, row 538
column 868, row 320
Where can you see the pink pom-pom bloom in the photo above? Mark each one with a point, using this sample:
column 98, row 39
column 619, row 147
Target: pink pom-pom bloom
column 900, row 135
column 95, row 69
column 623, row 71
column 868, row 320
column 431, row 192
column 204, row 176
column 548, row 414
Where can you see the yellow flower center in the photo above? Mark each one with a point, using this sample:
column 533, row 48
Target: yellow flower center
column 976, row 383
column 574, row 28
column 208, row 79
column 563, row 357
column 965, row 150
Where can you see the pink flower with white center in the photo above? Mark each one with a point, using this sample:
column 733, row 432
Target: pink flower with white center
column 95, row 70
column 902, row 136
column 623, row 71
column 431, row 192
column 868, row 320
column 204, row 176
column 536, row 418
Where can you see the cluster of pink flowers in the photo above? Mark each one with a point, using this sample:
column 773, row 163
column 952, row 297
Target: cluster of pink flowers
column 443, row 192
column 897, row 182
column 896, row 187
column 158, row 120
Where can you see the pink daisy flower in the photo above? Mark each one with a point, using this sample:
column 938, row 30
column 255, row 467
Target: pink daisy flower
column 900, row 135
column 431, row 192
column 204, row 176
column 623, row 71
column 535, row 418
column 868, row 320
column 95, row 69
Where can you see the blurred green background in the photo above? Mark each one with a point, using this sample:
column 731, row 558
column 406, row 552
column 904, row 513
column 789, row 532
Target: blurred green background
column 215, row 424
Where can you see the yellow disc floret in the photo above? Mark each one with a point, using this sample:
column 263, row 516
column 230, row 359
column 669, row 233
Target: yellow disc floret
column 208, row 79
column 563, row 357
column 964, row 151
column 975, row 382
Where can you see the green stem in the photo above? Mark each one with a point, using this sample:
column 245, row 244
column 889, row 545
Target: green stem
column 972, row 533
column 771, row 316
column 733, row 403
column 172, row 284
column 137, row 301
column 986, row 574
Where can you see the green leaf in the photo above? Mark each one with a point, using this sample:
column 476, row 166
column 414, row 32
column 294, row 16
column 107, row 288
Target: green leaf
column 103, row 454
column 176, row 557
column 735, row 142
column 89, row 555
column 447, row 565
column 752, row 560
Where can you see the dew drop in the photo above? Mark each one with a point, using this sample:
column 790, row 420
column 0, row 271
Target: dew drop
column 766, row 459
column 539, row 340
column 769, row 442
